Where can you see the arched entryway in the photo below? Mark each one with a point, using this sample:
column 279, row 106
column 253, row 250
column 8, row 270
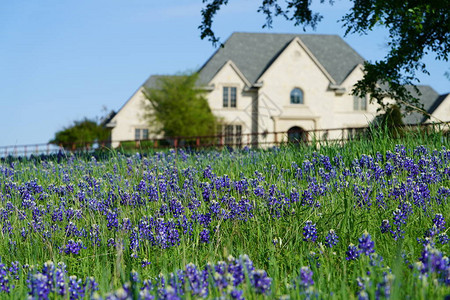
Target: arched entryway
column 297, row 135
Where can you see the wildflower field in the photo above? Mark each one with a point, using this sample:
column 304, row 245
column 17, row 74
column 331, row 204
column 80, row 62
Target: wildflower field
column 366, row 220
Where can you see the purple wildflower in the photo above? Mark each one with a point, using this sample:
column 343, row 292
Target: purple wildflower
column 204, row 236
column 439, row 221
column 260, row 281
column 385, row 226
column 73, row 247
column 309, row 232
column 305, row 279
column 352, row 252
column 366, row 245
column 331, row 239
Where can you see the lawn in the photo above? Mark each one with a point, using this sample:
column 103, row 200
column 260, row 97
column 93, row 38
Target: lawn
column 365, row 220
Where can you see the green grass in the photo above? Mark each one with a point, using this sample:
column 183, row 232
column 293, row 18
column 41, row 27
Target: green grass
column 116, row 173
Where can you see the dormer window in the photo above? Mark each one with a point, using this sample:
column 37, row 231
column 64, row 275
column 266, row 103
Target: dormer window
column 296, row 96
column 229, row 96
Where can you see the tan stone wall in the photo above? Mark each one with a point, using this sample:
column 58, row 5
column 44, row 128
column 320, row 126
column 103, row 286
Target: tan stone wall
column 131, row 116
column 241, row 115
column 442, row 113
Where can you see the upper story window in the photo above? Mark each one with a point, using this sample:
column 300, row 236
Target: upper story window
column 229, row 96
column 359, row 103
column 296, row 96
column 140, row 134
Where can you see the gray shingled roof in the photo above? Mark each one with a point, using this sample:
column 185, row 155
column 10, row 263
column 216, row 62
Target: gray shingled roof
column 153, row 81
column 429, row 98
column 253, row 53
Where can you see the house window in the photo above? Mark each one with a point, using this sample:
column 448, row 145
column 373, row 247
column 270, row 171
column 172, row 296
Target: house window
column 140, row 134
column 232, row 134
column 229, row 96
column 296, row 96
column 359, row 103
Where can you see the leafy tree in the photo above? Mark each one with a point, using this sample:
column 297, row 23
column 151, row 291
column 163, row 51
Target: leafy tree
column 415, row 28
column 80, row 134
column 391, row 121
column 178, row 107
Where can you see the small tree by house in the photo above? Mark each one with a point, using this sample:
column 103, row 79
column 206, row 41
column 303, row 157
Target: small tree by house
column 179, row 108
column 80, row 134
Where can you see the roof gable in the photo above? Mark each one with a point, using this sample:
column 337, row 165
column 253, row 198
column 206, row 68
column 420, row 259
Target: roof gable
column 253, row 53
column 429, row 98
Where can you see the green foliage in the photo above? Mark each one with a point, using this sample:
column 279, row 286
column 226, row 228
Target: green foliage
column 80, row 134
column 179, row 108
column 392, row 117
column 415, row 28
column 387, row 125
column 275, row 244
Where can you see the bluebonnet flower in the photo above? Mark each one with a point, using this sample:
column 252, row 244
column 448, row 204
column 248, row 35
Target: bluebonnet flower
column 73, row 247
column 443, row 238
column 352, row 252
column 214, row 208
column 126, row 224
column 309, row 232
column 259, row 191
column 220, row 281
column 399, row 219
column 260, row 281
column 4, row 279
column 14, row 270
column 380, row 200
column 145, row 263
column 50, row 280
column 304, row 279
column 94, row 235
column 385, row 226
column 331, row 239
column 195, row 279
column 362, row 294
column 384, row 287
column 111, row 242
column 76, row 288
column 237, row 294
column 134, row 242
column 204, row 236
column 439, row 221
column 113, row 221
column 366, row 245
column 90, row 286
column 176, row 208
column 295, row 197
column 433, row 261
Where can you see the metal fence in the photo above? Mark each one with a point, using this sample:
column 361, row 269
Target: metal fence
column 261, row 140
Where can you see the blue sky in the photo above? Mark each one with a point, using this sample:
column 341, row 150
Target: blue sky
column 63, row 60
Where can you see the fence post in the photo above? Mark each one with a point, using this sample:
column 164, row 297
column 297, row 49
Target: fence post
column 197, row 142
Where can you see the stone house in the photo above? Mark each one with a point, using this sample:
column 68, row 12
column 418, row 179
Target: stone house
column 260, row 82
